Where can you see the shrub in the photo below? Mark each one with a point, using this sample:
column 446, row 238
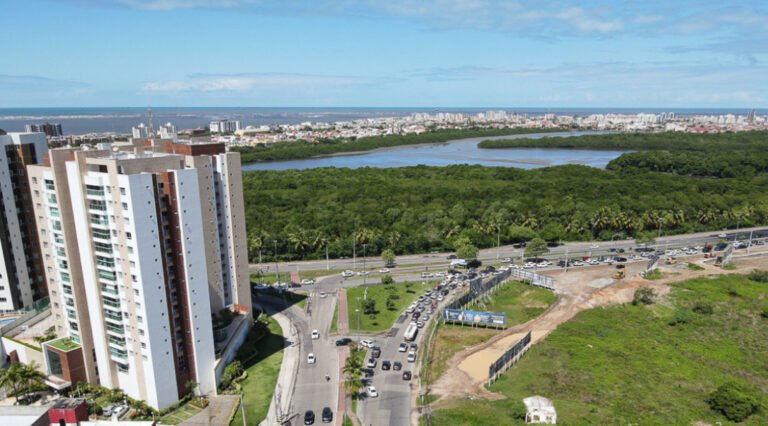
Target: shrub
column 703, row 308
column 517, row 410
column 759, row 276
column 387, row 279
column 95, row 410
column 764, row 314
column 733, row 401
column 681, row 316
column 695, row 267
column 645, row 296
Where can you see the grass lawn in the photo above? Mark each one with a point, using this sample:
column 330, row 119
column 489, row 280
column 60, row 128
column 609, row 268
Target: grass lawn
column 629, row 364
column 177, row 416
column 262, row 370
column 385, row 318
column 521, row 302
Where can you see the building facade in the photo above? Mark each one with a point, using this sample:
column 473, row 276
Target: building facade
column 148, row 239
column 22, row 278
column 50, row 129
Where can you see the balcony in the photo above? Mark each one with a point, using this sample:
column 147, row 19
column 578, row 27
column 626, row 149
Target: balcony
column 109, row 290
column 118, row 353
column 112, row 317
column 115, row 329
column 112, row 303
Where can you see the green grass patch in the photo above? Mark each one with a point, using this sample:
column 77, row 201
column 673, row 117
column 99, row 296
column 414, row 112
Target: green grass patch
column 65, row 345
column 347, row 421
column 654, row 274
column 384, row 318
column 640, row 365
column 521, row 302
column 262, row 370
column 181, row 414
column 695, row 267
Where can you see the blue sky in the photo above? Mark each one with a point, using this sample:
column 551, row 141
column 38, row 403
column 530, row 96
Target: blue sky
column 410, row 53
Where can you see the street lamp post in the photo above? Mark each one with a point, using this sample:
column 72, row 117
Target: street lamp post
column 364, row 264
column 277, row 265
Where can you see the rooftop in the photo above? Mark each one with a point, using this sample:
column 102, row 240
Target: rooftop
column 65, row 344
column 68, row 403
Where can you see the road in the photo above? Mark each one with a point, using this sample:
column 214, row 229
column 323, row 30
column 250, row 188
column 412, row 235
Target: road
column 431, row 261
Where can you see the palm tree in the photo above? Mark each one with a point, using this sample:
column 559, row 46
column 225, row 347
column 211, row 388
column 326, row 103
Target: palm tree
column 300, row 241
column 12, row 377
column 255, row 244
column 22, row 377
column 394, row 239
column 706, row 216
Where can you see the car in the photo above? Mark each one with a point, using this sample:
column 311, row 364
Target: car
column 344, row 341
column 311, row 358
column 323, row 295
column 307, row 282
column 411, row 356
column 261, row 286
column 414, row 347
column 372, row 392
column 452, row 257
column 620, row 259
column 315, row 334
column 403, row 347
column 386, row 365
column 375, row 352
column 119, row 410
column 420, row 324
column 367, row 343
column 529, row 265
column 384, row 270
column 309, row 417
column 367, row 372
column 327, row 415
column 397, row 366
column 371, row 363
column 426, row 275
column 362, row 273
column 406, row 375
column 347, row 274
column 594, row 246
column 107, row 411
column 507, row 260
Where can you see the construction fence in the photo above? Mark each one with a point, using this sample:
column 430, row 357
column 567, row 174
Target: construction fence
column 509, row 358
column 534, row 278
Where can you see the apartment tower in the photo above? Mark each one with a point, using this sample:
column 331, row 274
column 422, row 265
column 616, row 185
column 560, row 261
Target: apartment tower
column 148, row 241
column 22, row 279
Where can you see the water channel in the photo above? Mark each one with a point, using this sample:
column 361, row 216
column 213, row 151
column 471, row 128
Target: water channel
column 460, row 151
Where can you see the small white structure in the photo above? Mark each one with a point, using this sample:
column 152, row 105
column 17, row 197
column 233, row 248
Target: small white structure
column 539, row 410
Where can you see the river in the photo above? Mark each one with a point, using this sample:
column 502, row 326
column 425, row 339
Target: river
column 460, row 151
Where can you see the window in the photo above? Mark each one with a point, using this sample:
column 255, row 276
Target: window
column 128, row 235
column 125, row 206
column 97, row 205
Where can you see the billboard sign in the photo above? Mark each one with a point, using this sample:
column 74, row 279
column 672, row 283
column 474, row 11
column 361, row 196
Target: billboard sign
column 488, row 319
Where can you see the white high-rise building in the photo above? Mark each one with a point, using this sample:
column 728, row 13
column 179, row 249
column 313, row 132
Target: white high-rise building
column 22, row 278
column 140, row 132
column 225, row 126
column 148, row 241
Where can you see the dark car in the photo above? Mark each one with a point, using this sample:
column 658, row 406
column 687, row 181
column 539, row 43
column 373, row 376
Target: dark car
column 386, row 365
column 376, row 352
column 368, row 372
column 452, row 256
column 406, row 375
column 309, row 417
column 344, row 341
column 620, row 259
column 397, row 366
column 416, row 315
column 414, row 347
column 327, row 415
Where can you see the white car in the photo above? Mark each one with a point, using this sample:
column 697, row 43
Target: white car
column 120, row 410
column 367, row 343
column 384, row 270
column 311, row 358
column 411, row 356
column 507, row 260
column 307, row 282
column 362, row 273
column 323, row 295
column 594, row 246
column 315, row 334
column 372, row 392
column 529, row 265
column 371, row 363
column 403, row 347
column 347, row 274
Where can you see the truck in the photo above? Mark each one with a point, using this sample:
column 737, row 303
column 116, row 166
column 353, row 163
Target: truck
column 411, row 332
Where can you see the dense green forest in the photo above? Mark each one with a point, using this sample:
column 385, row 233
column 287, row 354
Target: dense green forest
column 420, row 209
column 706, row 155
column 303, row 149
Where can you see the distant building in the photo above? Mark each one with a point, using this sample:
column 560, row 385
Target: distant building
column 50, row 129
column 140, row 132
column 167, row 131
column 225, row 126
column 22, row 277
column 539, row 410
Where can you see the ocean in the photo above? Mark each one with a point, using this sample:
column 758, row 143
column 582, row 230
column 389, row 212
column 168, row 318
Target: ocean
column 76, row 121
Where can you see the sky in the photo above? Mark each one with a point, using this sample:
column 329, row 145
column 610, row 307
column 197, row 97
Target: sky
column 384, row 53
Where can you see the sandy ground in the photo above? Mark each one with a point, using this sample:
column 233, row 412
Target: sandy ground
column 578, row 290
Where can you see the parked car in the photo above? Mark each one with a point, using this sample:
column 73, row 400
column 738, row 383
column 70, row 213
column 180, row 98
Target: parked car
column 368, row 372
column 371, row 363
column 386, row 365
column 315, row 334
column 375, row 352
column 372, row 392
column 307, row 282
column 397, row 366
column 322, row 295
column 367, row 343
column 311, row 358
column 413, row 347
column 403, row 347
column 406, row 375
column 327, row 415
column 344, row 341
column 120, row 410
column 309, row 417
column 411, row 356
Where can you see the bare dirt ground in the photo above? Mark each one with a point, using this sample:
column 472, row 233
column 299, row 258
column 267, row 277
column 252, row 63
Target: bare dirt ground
column 578, row 290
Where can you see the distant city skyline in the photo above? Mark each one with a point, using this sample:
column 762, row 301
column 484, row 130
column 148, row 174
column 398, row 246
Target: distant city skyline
column 357, row 53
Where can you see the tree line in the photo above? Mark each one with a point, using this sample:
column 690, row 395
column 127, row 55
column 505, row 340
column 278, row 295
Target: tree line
column 292, row 150
column 306, row 213
column 721, row 155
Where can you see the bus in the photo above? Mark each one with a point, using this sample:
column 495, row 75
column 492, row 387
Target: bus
column 411, row 331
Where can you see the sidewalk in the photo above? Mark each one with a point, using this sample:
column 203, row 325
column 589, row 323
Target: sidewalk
column 288, row 371
column 343, row 320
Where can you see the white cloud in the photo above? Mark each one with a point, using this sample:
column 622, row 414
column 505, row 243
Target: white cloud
column 252, row 82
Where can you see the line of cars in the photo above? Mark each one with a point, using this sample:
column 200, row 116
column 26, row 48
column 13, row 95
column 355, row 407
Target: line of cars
column 327, row 416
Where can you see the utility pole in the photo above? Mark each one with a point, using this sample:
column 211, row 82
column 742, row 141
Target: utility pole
column 364, row 264
column 749, row 246
column 354, row 249
column 498, row 241
column 327, row 262
column 277, row 265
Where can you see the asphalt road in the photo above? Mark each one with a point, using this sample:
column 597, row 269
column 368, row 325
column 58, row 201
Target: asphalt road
column 312, row 390
column 431, row 261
